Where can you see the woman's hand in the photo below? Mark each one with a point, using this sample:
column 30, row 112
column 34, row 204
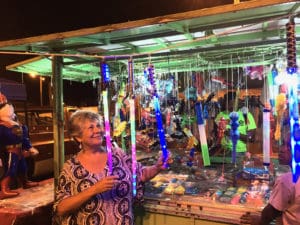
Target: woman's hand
column 106, row 184
column 161, row 165
column 73, row 202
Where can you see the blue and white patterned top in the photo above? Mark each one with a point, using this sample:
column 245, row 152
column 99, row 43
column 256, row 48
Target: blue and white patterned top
column 114, row 207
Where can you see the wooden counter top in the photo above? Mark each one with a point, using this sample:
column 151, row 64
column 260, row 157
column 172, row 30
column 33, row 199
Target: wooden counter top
column 33, row 206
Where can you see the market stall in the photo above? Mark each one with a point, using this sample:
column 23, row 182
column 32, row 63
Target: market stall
column 161, row 85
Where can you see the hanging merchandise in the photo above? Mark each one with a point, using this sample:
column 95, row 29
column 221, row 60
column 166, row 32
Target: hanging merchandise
column 255, row 72
column 273, row 87
column 293, row 98
column 159, row 122
column 199, row 83
column 132, row 124
column 105, row 72
column 266, row 136
column 269, row 104
column 234, row 133
column 119, row 123
column 202, row 134
column 120, row 120
column 280, row 107
column 234, row 124
column 107, row 131
column 120, row 128
column 105, row 83
column 133, row 144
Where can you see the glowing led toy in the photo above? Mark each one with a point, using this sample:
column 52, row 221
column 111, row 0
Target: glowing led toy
column 133, row 144
column 132, row 126
column 158, row 115
column 295, row 131
column 105, row 79
column 234, row 133
column 202, row 134
column 293, row 99
column 107, row 131
column 266, row 136
column 105, row 72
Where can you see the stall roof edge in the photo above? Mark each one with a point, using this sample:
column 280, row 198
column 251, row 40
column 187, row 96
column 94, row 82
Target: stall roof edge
column 217, row 37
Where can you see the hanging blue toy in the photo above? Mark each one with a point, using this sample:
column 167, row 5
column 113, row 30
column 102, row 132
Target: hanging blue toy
column 293, row 98
column 234, row 133
column 105, row 73
column 191, row 158
column 159, row 121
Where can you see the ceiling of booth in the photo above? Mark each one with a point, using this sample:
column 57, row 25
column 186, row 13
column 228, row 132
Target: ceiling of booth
column 236, row 35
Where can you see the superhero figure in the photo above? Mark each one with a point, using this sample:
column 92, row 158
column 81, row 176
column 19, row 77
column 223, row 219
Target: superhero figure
column 14, row 147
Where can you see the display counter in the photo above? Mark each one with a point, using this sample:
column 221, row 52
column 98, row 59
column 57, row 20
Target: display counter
column 219, row 194
column 192, row 210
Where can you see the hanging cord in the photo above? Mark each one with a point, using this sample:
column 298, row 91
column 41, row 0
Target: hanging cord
column 189, row 104
column 246, row 93
column 224, row 150
column 168, row 79
column 232, row 83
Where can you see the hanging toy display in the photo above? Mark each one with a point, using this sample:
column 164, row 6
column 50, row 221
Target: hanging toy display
column 280, row 107
column 119, row 98
column 268, row 106
column 266, row 136
column 234, row 132
column 202, row 134
column 255, row 72
column 133, row 144
column 159, row 122
column 191, row 157
column 199, row 83
column 293, row 98
column 221, row 129
column 273, row 87
column 132, row 125
column 106, row 79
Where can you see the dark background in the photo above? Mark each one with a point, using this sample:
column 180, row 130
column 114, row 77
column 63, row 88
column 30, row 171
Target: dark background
column 21, row 19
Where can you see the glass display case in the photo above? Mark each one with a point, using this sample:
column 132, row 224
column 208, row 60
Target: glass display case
column 216, row 194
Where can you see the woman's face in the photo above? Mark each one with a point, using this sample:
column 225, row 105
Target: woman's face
column 92, row 134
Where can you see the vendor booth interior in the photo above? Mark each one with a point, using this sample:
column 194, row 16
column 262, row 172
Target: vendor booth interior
column 166, row 83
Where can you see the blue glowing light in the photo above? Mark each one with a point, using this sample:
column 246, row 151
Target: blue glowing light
column 105, row 72
column 294, row 126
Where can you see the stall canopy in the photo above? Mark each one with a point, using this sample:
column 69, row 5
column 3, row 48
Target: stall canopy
column 242, row 34
column 235, row 35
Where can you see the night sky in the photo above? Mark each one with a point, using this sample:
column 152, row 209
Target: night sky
column 20, row 19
